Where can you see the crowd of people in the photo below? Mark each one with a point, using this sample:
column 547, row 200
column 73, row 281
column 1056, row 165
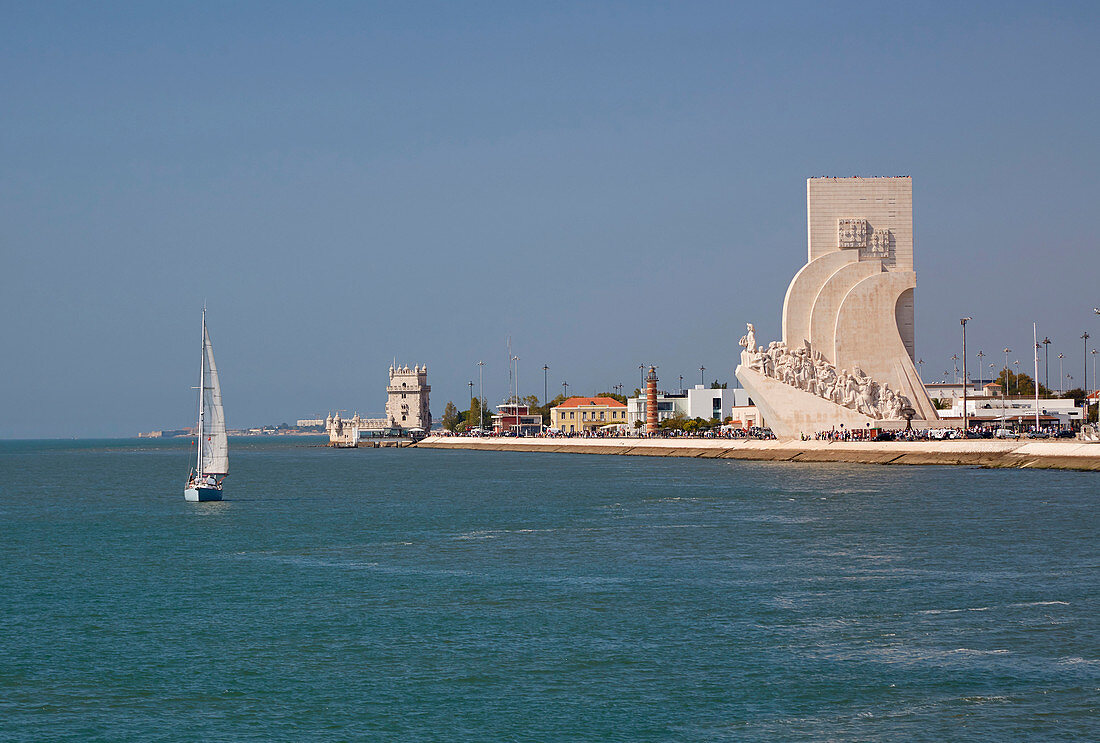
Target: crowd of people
column 940, row 434
column 753, row 432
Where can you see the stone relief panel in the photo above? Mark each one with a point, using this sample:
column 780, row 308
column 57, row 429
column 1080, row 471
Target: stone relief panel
column 880, row 244
column 851, row 233
column 805, row 369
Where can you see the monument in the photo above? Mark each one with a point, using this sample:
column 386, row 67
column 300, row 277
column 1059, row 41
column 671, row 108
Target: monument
column 407, row 411
column 847, row 354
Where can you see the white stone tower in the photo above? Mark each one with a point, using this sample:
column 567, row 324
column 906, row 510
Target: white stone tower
column 407, row 398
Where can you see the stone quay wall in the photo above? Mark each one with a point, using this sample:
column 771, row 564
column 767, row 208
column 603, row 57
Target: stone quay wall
column 1065, row 455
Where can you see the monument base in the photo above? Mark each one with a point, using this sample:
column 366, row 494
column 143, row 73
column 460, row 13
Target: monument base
column 790, row 412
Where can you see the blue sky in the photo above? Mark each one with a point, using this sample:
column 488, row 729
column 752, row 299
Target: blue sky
column 608, row 184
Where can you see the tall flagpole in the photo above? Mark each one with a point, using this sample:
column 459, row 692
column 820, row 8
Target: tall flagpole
column 1035, row 338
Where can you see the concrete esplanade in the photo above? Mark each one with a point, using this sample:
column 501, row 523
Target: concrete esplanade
column 1065, row 455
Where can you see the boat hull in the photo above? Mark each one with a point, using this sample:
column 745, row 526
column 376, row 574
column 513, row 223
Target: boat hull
column 196, row 495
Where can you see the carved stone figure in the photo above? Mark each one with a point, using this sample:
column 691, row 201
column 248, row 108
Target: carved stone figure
column 748, row 341
column 804, row 369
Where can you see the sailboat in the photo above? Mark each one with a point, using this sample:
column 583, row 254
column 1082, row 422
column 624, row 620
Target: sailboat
column 205, row 481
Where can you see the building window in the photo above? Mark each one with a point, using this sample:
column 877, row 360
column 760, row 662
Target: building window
column 571, row 414
column 602, row 415
column 584, row 415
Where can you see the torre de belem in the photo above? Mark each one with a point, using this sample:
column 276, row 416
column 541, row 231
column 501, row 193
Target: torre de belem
column 407, row 410
column 847, row 355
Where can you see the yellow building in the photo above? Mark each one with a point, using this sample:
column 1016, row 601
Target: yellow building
column 580, row 414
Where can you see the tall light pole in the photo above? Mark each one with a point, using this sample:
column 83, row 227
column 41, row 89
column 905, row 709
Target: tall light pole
column 963, row 321
column 681, row 383
column 920, row 366
column 1096, row 311
column 701, row 370
column 1046, row 371
column 481, row 394
column 1085, row 337
column 1085, row 378
column 1016, row 364
column 641, row 377
column 545, row 369
column 1060, row 357
column 955, row 366
column 516, row 359
column 565, row 389
column 471, row 383
column 1093, row 354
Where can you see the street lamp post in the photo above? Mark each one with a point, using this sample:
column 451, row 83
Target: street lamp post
column 981, row 355
column 920, row 366
column 641, row 376
column 955, row 366
column 565, row 389
column 1085, row 379
column 545, row 369
column 681, row 383
column 701, row 370
column 1016, row 364
column 516, row 360
column 481, row 395
column 471, row 383
column 963, row 322
column 1046, row 362
column 1060, row 377
column 1093, row 354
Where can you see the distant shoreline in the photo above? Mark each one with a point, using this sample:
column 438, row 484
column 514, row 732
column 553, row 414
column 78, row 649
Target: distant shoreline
column 1063, row 455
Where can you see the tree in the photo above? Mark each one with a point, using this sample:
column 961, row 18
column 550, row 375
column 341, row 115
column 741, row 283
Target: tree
column 544, row 410
column 614, row 396
column 475, row 416
column 451, row 417
column 675, row 423
column 1077, row 394
column 1020, row 384
column 715, row 386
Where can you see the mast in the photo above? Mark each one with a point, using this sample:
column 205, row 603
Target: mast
column 202, row 389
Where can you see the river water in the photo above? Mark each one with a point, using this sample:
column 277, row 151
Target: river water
column 415, row 595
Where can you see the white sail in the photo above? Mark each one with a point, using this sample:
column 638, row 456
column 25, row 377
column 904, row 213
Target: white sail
column 215, row 447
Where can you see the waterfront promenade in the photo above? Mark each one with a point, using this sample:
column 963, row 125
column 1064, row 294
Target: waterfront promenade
column 1072, row 455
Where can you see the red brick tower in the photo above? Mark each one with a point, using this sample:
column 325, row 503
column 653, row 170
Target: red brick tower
column 651, row 401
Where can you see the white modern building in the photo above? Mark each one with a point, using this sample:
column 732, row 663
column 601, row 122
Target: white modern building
column 697, row 402
column 954, row 390
column 1015, row 412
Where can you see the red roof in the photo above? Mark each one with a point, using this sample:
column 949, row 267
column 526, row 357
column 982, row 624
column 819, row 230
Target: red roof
column 576, row 402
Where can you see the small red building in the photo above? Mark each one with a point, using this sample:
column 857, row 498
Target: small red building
column 517, row 419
